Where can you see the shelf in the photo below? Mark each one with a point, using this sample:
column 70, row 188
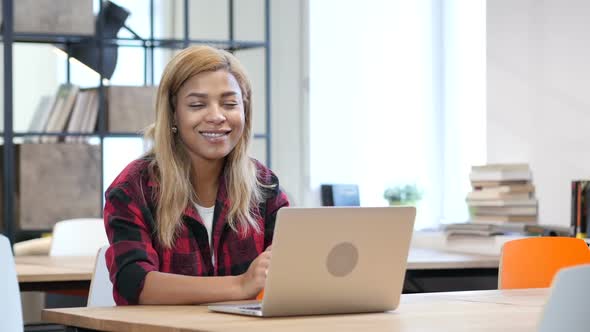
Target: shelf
column 134, row 42
column 16, row 145
column 29, row 134
column 122, row 135
column 47, row 38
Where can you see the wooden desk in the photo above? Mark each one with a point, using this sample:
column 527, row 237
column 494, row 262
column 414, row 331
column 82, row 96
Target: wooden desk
column 45, row 273
column 432, row 259
column 505, row 311
column 419, row 259
column 434, row 270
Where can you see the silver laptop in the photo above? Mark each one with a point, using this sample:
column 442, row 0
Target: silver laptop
column 334, row 260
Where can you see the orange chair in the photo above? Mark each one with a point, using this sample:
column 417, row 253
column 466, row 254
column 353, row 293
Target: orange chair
column 533, row 262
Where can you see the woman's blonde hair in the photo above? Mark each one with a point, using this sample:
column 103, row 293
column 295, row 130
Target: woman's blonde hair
column 171, row 166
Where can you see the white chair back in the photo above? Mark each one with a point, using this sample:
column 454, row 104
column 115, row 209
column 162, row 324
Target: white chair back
column 78, row 237
column 10, row 305
column 101, row 288
column 567, row 306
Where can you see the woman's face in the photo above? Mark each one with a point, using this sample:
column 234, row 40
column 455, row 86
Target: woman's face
column 209, row 115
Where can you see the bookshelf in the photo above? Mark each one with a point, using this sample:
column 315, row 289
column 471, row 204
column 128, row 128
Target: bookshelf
column 10, row 138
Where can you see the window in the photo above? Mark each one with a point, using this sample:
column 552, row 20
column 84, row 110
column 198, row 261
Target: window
column 387, row 105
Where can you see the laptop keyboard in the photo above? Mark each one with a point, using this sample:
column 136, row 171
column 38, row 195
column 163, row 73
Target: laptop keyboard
column 252, row 307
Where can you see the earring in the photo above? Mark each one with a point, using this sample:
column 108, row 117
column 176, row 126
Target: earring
column 174, row 130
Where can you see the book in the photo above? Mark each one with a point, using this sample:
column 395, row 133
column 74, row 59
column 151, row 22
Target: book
column 500, row 175
column 500, row 172
column 500, row 219
column 580, row 207
column 80, row 107
column 479, row 232
column 42, row 113
column 462, row 243
column 41, row 116
column 493, row 184
column 65, row 99
column 574, row 206
column 51, row 119
column 75, row 122
column 505, row 210
column 506, row 187
column 490, row 229
column 478, row 195
column 92, row 117
column 501, row 167
column 503, row 202
column 483, row 229
column 80, row 115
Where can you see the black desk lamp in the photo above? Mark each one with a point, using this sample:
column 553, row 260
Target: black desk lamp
column 113, row 18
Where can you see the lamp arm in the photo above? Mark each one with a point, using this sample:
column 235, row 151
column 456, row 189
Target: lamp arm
column 135, row 35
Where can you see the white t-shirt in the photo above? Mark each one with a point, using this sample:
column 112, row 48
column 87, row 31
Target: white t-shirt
column 206, row 214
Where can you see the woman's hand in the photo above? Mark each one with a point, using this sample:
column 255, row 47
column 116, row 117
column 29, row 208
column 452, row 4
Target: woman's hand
column 253, row 280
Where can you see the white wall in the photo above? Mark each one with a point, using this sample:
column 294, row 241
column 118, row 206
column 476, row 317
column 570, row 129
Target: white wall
column 538, row 102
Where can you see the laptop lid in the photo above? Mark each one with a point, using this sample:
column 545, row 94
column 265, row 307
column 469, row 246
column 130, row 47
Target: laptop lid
column 338, row 260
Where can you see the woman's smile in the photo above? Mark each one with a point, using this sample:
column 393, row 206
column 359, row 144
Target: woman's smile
column 215, row 136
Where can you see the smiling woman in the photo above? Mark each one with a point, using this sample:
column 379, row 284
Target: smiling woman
column 210, row 115
column 192, row 220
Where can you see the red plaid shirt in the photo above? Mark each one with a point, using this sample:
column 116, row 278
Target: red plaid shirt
column 129, row 215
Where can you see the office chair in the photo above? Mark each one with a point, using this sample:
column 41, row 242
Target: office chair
column 10, row 305
column 10, row 301
column 533, row 262
column 101, row 288
column 78, row 237
column 567, row 307
column 75, row 237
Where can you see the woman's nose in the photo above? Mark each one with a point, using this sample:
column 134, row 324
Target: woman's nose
column 215, row 114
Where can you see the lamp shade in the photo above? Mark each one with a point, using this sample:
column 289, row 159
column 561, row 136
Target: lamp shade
column 113, row 17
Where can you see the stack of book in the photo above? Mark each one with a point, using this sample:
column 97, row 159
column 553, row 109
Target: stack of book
column 502, row 193
column 74, row 110
column 71, row 109
column 516, row 228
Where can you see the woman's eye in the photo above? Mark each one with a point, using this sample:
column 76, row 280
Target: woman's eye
column 196, row 105
column 231, row 104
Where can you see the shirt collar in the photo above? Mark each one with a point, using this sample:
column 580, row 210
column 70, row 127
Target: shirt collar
column 221, row 200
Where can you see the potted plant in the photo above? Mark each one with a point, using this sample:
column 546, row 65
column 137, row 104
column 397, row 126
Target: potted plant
column 408, row 194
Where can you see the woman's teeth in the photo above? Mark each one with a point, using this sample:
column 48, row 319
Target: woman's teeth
column 213, row 135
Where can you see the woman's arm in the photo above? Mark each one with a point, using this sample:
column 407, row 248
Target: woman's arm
column 167, row 288
column 133, row 265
